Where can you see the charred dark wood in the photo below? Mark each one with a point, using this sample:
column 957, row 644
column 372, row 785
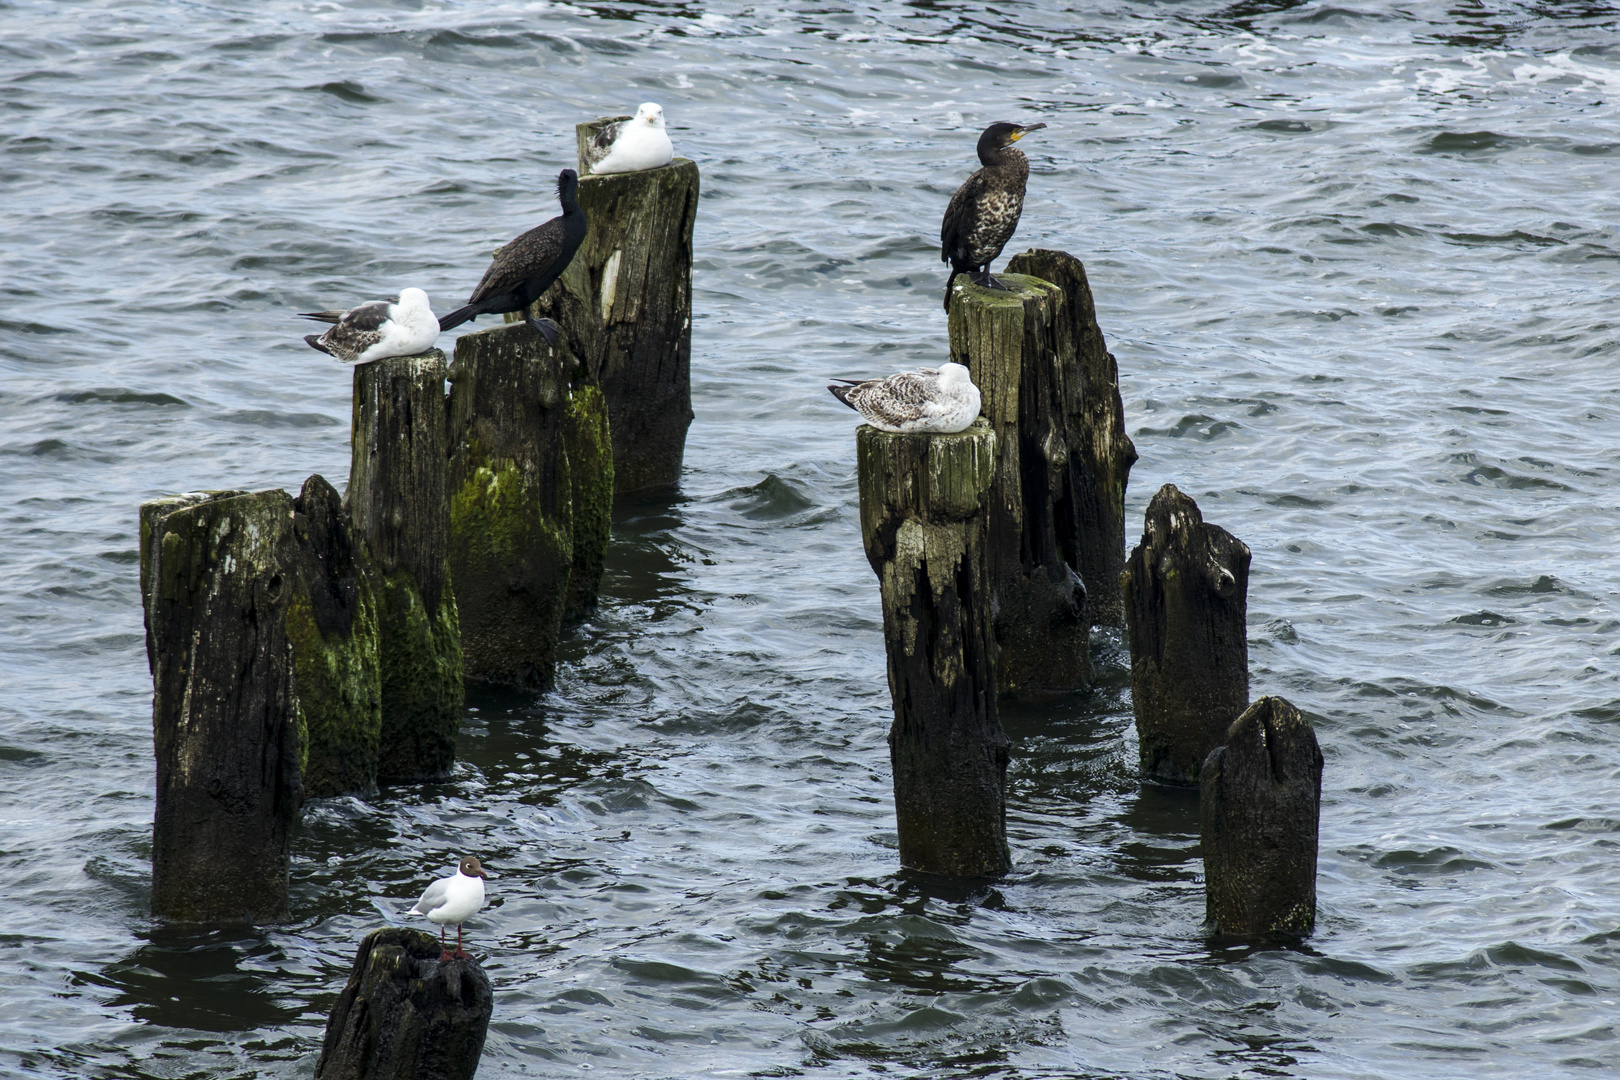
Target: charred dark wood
column 1259, row 807
column 924, row 522
column 216, row 583
column 1089, row 507
column 1012, row 341
column 1186, row 607
column 625, row 307
column 406, row 1016
column 511, row 502
column 399, row 504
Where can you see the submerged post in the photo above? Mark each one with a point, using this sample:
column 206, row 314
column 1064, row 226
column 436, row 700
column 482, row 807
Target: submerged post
column 511, row 502
column 399, row 505
column 1090, row 487
column 625, row 306
column 1012, row 341
column 1186, row 607
column 923, row 523
column 215, row 582
column 405, row 1016
column 1259, row 807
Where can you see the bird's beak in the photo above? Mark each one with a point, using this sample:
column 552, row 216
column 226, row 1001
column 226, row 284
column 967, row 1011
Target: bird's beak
column 1026, row 130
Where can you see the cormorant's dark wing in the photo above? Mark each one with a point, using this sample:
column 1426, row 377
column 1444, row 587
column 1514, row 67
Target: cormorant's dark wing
column 520, row 260
column 958, row 223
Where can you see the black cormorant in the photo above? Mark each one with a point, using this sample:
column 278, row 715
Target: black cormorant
column 984, row 211
column 527, row 266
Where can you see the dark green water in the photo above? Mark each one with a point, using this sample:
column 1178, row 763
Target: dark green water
column 1359, row 266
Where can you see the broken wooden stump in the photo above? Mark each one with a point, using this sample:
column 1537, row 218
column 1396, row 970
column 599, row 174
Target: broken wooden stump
column 625, row 308
column 1186, row 607
column 511, row 502
column 924, row 522
column 1259, row 807
column 216, row 587
column 1090, row 503
column 1015, row 342
column 399, row 505
column 405, row 1016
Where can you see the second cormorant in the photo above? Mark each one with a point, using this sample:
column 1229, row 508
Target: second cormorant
column 984, row 211
column 527, row 266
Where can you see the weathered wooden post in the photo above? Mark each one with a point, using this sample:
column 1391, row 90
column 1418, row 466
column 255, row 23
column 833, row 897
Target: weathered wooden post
column 1090, row 491
column 1012, row 341
column 923, row 522
column 588, row 442
column 625, row 306
column 1259, row 805
column 398, row 502
column 1186, row 591
column 405, row 1016
column 216, row 586
column 511, row 502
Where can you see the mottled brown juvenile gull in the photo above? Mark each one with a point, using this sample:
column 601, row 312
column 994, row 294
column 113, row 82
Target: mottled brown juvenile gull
column 404, row 326
column 942, row 400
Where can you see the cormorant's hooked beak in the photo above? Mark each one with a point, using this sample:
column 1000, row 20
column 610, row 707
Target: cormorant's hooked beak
column 1025, row 130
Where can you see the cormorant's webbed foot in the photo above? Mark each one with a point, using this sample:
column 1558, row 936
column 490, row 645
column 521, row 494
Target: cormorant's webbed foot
column 545, row 328
column 989, row 282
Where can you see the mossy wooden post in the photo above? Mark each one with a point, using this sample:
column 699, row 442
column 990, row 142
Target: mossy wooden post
column 1089, row 509
column 216, row 585
column 399, row 505
column 332, row 622
column 511, row 502
column 923, row 522
column 1012, row 342
column 405, row 1016
column 1186, row 588
column 625, row 306
column 1259, row 806
column 588, row 443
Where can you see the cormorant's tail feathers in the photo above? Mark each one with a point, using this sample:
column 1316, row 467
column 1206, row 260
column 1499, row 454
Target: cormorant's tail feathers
column 459, row 316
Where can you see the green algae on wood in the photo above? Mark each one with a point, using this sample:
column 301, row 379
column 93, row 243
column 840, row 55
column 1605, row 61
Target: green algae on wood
column 625, row 307
column 399, row 503
column 1185, row 588
column 1259, row 808
column 511, row 503
column 923, row 524
column 1090, row 511
column 1015, row 343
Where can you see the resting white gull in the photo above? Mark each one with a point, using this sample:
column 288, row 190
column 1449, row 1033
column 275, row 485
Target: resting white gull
column 942, row 400
column 453, row 899
column 631, row 145
column 379, row 328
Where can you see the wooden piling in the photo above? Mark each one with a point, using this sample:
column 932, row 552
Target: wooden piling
column 1185, row 588
column 216, row 584
column 1012, row 341
column 924, row 525
column 405, row 1016
column 1259, row 807
column 588, row 442
column 625, row 307
column 1089, row 508
column 398, row 502
column 511, row 502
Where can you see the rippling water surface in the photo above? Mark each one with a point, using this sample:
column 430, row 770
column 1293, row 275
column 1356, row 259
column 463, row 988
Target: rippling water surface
column 1359, row 267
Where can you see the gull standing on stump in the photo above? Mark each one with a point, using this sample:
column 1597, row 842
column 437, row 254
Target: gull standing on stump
column 633, row 145
column 453, row 899
column 941, row 400
column 984, row 212
column 403, row 326
column 527, row 266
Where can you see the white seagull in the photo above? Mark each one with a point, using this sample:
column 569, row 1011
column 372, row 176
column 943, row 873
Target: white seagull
column 379, row 328
column 631, row 145
column 453, row 899
column 942, row 400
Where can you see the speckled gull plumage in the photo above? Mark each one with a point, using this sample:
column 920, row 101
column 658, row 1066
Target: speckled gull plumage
column 404, row 326
column 941, row 400
column 632, row 145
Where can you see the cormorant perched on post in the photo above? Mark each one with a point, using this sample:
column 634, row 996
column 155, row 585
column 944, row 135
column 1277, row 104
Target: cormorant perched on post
column 984, row 211
column 527, row 266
